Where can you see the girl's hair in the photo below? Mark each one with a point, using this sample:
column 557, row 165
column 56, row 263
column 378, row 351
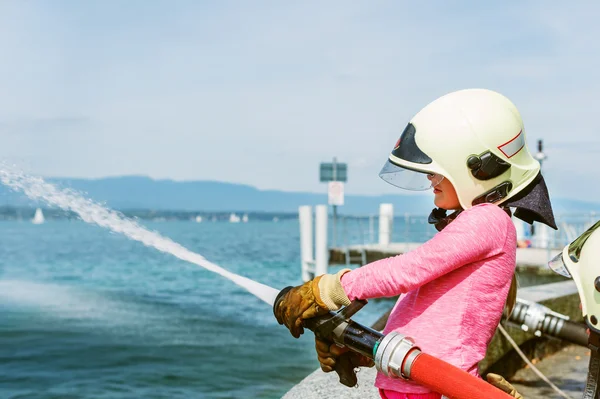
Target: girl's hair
column 511, row 299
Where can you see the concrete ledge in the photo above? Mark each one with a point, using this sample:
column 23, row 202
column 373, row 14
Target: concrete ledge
column 320, row 385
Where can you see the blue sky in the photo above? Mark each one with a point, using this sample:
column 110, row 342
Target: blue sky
column 261, row 92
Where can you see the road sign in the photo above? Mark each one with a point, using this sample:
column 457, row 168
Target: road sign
column 333, row 172
column 336, row 193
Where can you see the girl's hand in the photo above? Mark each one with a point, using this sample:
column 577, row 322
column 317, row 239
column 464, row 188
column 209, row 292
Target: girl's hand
column 311, row 299
column 298, row 304
column 329, row 353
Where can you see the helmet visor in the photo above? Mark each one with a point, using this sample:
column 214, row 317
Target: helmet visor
column 557, row 264
column 409, row 179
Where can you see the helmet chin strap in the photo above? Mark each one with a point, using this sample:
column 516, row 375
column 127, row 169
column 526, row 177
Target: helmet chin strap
column 440, row 219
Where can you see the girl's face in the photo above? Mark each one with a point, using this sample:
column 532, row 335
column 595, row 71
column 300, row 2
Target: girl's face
column 445, row 195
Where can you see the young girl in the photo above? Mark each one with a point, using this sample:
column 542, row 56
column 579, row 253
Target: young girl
column 469, row 146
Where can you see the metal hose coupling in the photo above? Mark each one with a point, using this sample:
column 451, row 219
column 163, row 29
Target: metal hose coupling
column 395, row 355
column 540, row 320
column 537, row 318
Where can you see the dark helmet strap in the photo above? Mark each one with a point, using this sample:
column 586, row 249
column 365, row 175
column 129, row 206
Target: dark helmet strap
column 439, row 218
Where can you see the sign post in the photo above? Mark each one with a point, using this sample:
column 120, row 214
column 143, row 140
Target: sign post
column 335, row 174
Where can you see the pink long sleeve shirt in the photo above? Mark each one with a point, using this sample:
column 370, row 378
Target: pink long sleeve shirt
column 452, row 289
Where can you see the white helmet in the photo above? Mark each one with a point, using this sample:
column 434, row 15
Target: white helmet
column 580, row 261
column 475, row 139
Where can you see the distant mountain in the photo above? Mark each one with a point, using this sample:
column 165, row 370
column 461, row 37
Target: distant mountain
column 136, row 192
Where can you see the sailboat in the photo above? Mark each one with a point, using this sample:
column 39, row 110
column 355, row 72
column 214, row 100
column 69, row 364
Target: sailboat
column 38, row 218
column 233, row 218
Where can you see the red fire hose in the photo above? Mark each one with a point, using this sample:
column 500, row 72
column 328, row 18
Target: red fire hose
column 450, row 381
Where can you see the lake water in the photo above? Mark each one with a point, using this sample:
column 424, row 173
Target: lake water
column 85, row 313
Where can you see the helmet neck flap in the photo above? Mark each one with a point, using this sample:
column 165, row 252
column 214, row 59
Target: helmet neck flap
column 533, row 203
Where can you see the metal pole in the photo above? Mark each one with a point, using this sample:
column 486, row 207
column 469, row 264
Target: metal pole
column 360, row 228
column 334, row 206
column 540, row 156
column 386, row 215
column 344, row 232
column 321, row 250
column 334, row 226
column 306, row 242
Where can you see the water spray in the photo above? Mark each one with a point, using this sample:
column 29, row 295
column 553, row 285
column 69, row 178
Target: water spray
column 91, row 212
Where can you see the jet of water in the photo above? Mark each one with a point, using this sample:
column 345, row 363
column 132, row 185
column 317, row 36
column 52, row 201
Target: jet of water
column 91, row 212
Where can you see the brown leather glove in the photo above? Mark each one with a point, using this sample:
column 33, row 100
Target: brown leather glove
column 342, row 360
column 298, row 304
column 499, row 382
column 329, row 353
column 311, row 299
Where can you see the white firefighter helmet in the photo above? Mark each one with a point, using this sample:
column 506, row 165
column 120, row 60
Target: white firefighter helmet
column 475, row 139
column 580, row 261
